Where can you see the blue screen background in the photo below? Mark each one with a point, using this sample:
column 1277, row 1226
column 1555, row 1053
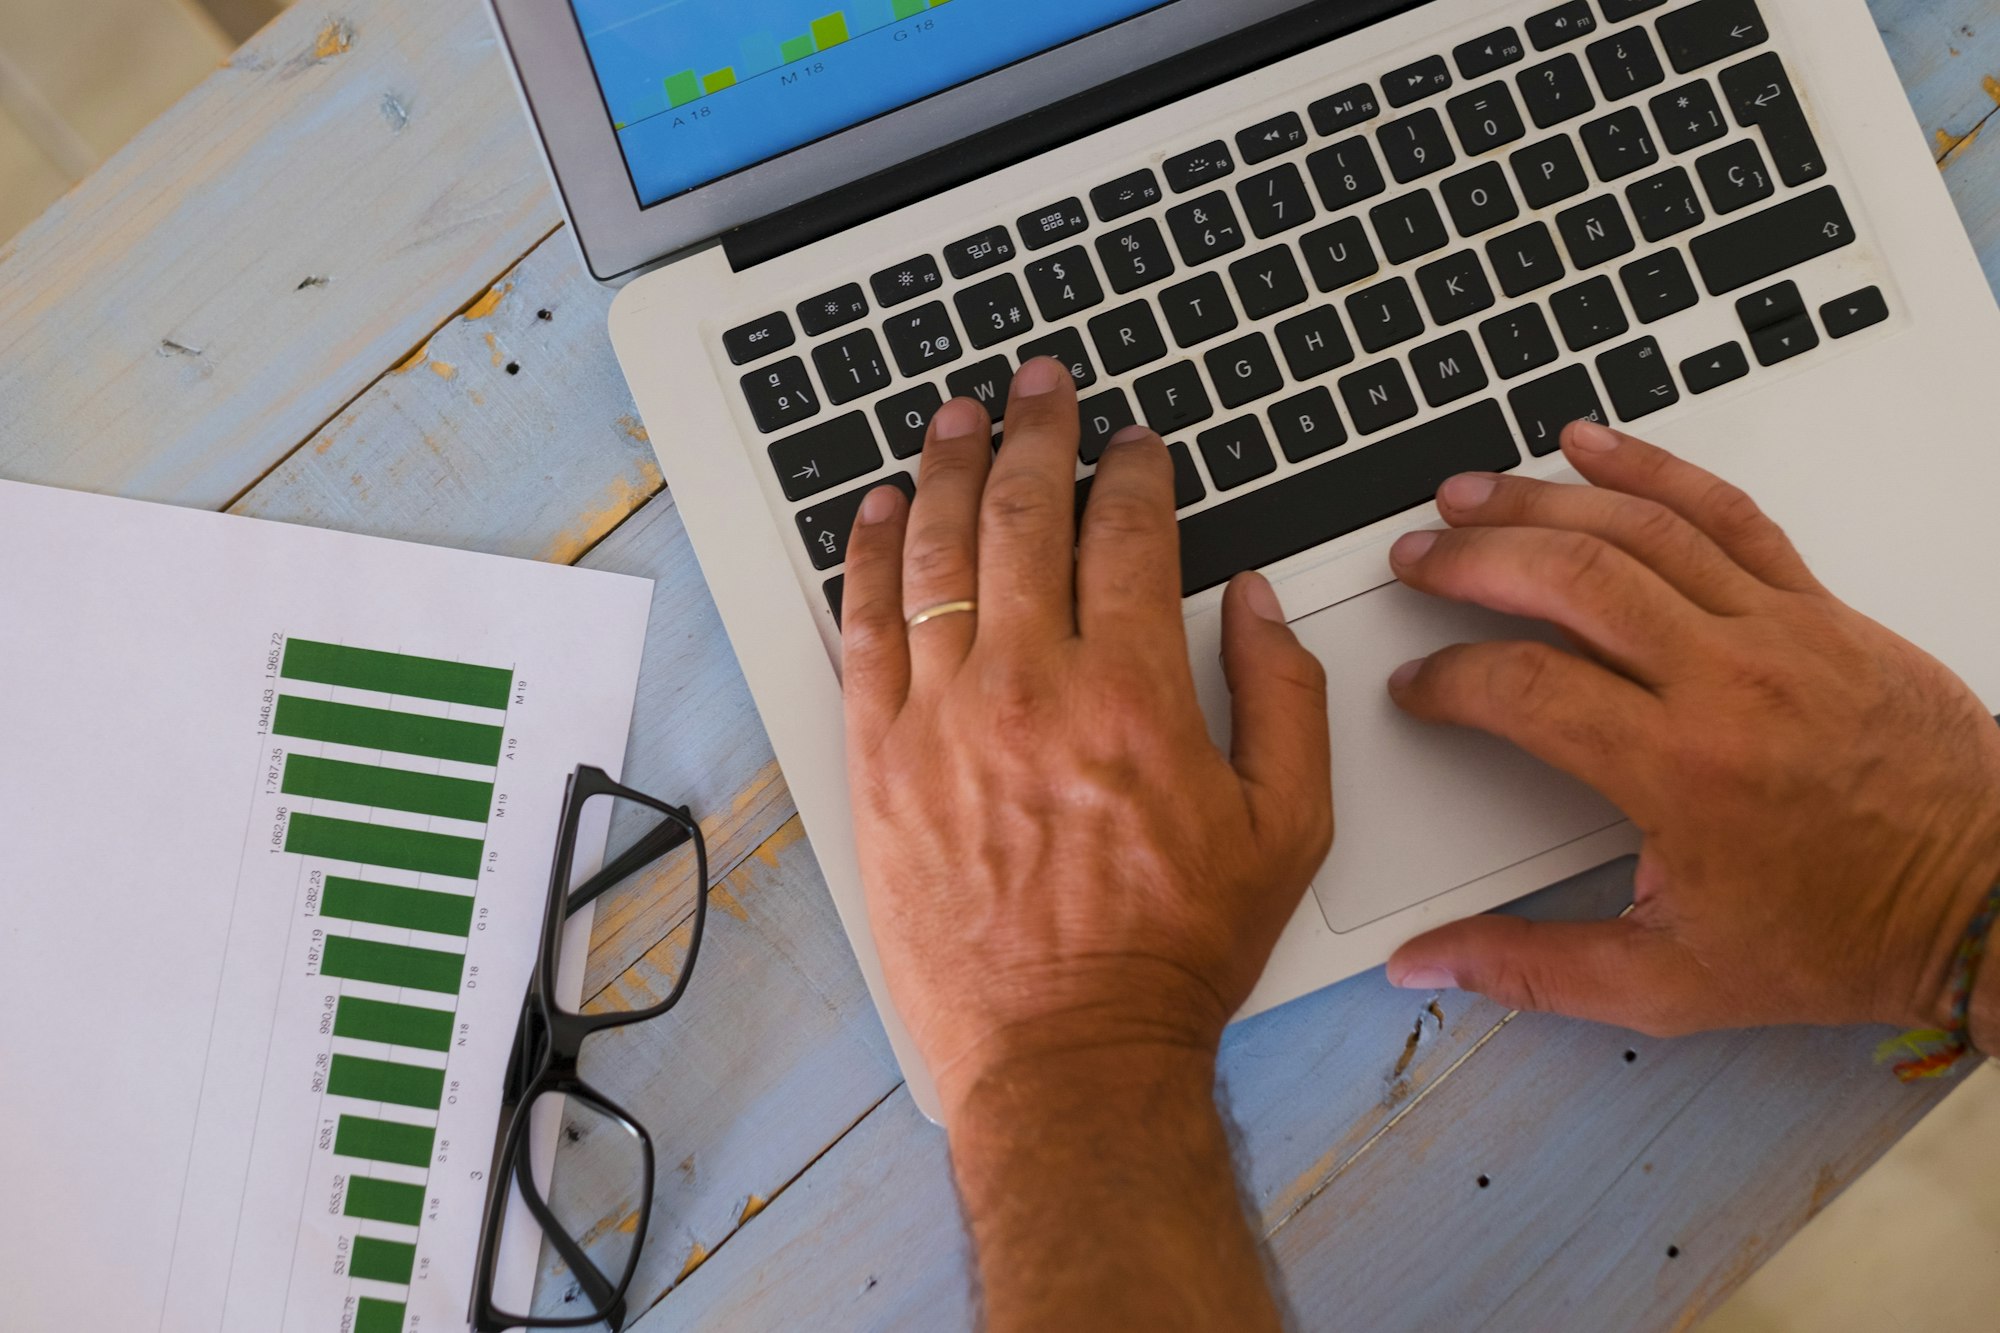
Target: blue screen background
column 650, row 54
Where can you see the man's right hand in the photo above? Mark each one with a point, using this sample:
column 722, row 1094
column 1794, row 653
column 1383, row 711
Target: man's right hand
column 1820, row 799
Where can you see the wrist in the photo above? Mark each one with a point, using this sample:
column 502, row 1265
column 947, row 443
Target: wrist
column 1963, row 892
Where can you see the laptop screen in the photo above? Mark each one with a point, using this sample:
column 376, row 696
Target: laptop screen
column 698, row 89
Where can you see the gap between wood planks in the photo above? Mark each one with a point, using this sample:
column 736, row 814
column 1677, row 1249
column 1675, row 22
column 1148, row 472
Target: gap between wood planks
column 1951, row 147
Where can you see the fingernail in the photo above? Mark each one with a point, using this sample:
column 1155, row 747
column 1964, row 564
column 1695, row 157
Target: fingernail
column 1406, row 673
column 879, row 505
column 957, row 419
column 1412, row 547
column 1038, row 377
column 1132, row 435
column 1421, row 978
column 1469, row 491
column 1261, row 598
column 1593, row 438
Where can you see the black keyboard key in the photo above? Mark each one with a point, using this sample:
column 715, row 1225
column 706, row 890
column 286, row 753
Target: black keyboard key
column 1135, row 256
column 1589, row 313
column 1413, row 83
column 976, row 254
column 1448, row 369
column 1689, row 117
column 1625, row 63
column 1564, row 23
column 1064, row 283
column 1104, row 415
column 1174, row 399
column 1480, row 199
column 1595, row 232
column 1638, row 379
column 1714, row 368
column 1485, row 118
column 759, row 338
column 993, row 311
column 1237, row 453
column 1066, row 346
column 1549, row 172
column 1409, row 227
column 1314, row 343
column 1544, row 408
column 1482, row 55
column 1555, row 91
column 1659, row 285
column 1620, row 144
column 1525, row 259
column 836, row 590
column 1617, row 11
column 986, row 382
column 780, row 395
column 1275, row 201
column 1268, row 282
column 1519, row 341
column 1198, row 166
column 1851, row 314
column 1127, row 194
column 1271, row 138
column 1783, row 341
column 1455, row 288
column 1735, row 177
column 1773, row 305
column 1344, row 110
column 907, row 281
column 1416, row 146
column 1711, row 30
column 827, row 312
column 1188, row 489
column 906, row 418
column 1378, row 397
column 1761, row 94
column 923, row 339
column 826, row 526
column 1308, row 425
column 1384, row 315
column 1346, row 173
column 1244, row 371
column 1767, row 243
column 1046, row 226
column 1205, row 228
column 1127, row 338
column 830, row 454
column 1341, row 495
column 1340, row 254
column 1198, row 310
column 1665, row 205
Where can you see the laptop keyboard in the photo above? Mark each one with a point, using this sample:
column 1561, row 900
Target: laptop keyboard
column 1332, row 310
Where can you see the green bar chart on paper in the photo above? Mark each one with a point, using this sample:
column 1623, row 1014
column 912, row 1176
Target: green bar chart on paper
column 764, row 52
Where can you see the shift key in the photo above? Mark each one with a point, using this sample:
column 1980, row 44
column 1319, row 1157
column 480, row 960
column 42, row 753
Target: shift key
column 826, row 526
column 1767, row 243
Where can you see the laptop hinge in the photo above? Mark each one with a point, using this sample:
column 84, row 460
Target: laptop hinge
column 1048, row 127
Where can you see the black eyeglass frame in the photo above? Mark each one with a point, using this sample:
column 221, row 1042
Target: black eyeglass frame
column 548, row 1043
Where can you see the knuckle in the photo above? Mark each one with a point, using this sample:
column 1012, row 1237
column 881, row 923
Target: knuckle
column 1518, row 676
column 1732, row 510
column 1014, row 506
column 1125, row 515
column 1577, row 562
column 935, row 560
column 1653, row 525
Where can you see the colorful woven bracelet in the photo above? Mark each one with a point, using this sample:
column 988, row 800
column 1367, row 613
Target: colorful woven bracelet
column 1933, row 1052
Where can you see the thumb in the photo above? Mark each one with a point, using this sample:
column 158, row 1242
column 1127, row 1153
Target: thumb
column 1618, row 972
column 1279, row 743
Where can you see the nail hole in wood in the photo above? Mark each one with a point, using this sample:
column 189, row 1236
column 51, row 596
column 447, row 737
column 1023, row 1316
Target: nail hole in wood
column 1673, row 1251
column 1484, row 1181
column 1631, row 1056
column 513, row 367
column 544, row 314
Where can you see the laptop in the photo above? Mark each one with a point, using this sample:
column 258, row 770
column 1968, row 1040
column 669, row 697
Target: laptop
column 1335, row 252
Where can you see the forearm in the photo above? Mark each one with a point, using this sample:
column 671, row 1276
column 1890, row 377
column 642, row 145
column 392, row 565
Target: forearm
column 1100, row 1194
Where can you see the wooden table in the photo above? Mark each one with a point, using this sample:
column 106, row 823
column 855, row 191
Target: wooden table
column 329, row 287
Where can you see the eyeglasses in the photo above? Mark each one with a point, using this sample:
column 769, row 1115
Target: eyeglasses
column 545, row 1095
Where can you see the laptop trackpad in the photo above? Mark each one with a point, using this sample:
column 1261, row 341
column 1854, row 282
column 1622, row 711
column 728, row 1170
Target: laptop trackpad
column 1423, row 809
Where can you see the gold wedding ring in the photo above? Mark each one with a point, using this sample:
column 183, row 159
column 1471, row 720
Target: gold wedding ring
column 942, row 610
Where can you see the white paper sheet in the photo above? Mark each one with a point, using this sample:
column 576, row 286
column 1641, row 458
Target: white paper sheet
column 212, row 867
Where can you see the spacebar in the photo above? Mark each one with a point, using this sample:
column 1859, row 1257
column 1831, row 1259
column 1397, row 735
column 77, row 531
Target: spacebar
column 1310, row 508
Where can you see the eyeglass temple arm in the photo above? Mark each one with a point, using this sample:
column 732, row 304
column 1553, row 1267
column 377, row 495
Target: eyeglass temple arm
column 652, row 847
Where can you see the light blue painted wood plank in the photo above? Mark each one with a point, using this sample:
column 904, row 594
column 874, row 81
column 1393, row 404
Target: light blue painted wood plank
column 1948, row 56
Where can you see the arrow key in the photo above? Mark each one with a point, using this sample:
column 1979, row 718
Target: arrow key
column 1784, row 340
column 1715, row 368
column 821, row 458
column 1851, row 314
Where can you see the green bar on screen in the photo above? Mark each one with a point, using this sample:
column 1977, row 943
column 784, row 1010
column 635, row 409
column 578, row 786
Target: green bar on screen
column 388, row 788
column 384, row 1140
column 392, row 964
column 910, row 8
column 395, row 905
column 382, row 1260
column 683, row 88
column 798, row 49
column 829, row 31
column 395, row 1024
column 381, row 729
column 720, row 79
column 373, row 1316
column 386, row 1081
column 383, row 845
column 396, row 673
column 384, row 1200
